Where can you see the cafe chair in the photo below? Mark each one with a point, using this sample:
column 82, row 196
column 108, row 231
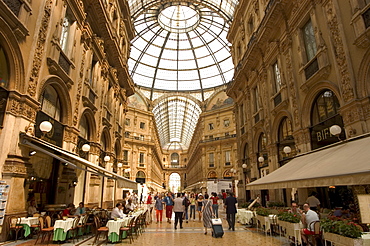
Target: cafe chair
column 46, row 230
column 100, row 230
column 74, row 229
column 14, row 225
column 315, row 239
column 128, row 230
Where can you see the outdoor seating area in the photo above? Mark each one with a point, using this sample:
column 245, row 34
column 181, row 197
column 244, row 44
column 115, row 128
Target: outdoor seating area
column 328, row 230
column 94, row 224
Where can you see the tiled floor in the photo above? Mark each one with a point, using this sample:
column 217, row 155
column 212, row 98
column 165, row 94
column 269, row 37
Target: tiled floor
column 191, row 235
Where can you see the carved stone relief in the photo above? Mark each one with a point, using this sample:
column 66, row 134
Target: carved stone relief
column 39, row 49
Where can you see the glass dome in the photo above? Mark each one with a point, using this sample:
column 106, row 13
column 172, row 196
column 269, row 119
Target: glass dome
column 180, row 46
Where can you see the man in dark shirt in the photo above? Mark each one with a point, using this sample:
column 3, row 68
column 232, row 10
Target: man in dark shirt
column 230, row 205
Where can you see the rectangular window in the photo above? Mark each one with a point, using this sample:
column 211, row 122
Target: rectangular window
column 227, row 157
column 211, row 158
column 141, row 158
column 127, row 122
column 256, row 99
column 142, row 137
column 127, row 134
column 309, row 40
column 277, row 78
column 226, row 123
column 125, row 155
column 211, row 126
column 142, row 125
column 241, row 114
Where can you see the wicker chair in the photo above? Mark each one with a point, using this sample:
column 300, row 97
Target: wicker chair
column 100, row 230
column 14, row 225
column 46, row 230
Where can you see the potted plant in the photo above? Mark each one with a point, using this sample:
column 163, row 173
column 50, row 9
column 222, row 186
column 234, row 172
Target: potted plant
column 343, row 232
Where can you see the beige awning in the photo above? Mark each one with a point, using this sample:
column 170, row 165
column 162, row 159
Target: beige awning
column 345, row 163
column 72, row 159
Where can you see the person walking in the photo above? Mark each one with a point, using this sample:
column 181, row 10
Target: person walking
column 192, row 206
column 178, row 208
column 214, row 199
column 158, row 206
column 200, row 205
column 230, row 205
column 168, row 200
column 207, row 212
column 149, row 204
column 186, row 203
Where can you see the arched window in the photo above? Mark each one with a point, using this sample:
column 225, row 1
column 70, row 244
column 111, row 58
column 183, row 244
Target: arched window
column 262, row 153
column 84, row 128
column 140, row 177
column 4, row 69
column 50, row 103
column 175, row 159
column 212, row 175
column 227, row 174
column 285, row 139
column 325, row 106
column 175, row 182
column 324, row 114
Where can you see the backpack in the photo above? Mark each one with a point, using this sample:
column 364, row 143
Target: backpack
column 186, row 202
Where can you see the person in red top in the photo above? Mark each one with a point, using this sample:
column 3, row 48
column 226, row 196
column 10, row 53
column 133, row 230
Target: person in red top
column 224, row 195
column 214, row 199
column 149, row 204
column 67, row 212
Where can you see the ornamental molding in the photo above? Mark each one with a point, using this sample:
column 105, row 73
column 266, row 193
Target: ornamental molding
column 39, row 49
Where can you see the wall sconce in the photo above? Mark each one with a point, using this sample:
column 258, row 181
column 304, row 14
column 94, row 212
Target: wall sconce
column 86, row 147
column 106, row 158
column 32, row 153
column 119, row 165
column 287, row 150
column 335, row 130
column 73, row 184
column 46, row 126
column 261, row 159
column 127, row 170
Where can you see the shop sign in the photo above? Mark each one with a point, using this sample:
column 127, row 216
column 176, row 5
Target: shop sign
column 320, row 133
column 55, row 136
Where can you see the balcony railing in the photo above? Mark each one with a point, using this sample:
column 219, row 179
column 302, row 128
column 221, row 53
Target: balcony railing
column 174, row 166
column 218, row 138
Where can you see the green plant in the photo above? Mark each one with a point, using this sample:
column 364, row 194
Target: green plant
column 289, row 217
column 345, row 228
column 262, row 211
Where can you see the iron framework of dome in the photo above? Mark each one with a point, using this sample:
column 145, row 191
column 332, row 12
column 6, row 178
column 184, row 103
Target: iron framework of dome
column 180, row 46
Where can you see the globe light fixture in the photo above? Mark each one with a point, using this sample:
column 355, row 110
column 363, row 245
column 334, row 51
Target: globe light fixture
column 119, row 164
column 46, row 126
column 287, row 150
column 244, row 166
column 127, row 170
column 85, row 148
column 231, row 170
column 261, row 159
column 107, row 158
column 335, row 130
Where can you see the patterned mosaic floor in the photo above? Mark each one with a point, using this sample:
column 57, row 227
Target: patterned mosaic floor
column 191, row 235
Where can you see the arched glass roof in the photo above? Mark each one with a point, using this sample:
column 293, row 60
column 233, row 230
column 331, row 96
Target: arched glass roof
column 180, row 46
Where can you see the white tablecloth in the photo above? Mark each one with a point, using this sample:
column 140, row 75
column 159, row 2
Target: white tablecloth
column 244, row 216
column 64, row 224
column 115, row 225
column 30, row 221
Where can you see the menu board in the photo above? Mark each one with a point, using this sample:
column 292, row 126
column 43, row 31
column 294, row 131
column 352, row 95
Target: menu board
column 4, row 191
column 364, row 204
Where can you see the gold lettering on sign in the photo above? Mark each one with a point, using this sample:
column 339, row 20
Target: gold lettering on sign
column 323, row 134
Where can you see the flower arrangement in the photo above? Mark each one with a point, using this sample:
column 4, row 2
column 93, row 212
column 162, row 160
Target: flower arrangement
column 345, row 228
column 289, row 217
column 262, row 211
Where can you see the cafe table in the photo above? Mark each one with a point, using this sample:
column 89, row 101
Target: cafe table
column 244, row 216
column 114, row 228
column 27, row 222
column 61, row 228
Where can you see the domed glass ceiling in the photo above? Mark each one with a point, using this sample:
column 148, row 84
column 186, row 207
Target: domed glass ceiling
column 180, row 46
